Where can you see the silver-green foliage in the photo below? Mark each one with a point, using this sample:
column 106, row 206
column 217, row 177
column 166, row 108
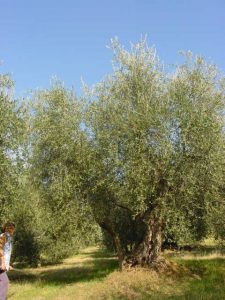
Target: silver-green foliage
column 56, row 141
column 157, row 140
column 11, row 134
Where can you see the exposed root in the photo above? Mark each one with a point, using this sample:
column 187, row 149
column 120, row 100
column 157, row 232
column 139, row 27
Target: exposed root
column 162, row 265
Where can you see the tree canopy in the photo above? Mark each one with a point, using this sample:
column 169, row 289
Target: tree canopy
column 157, row 149
column 141, row 155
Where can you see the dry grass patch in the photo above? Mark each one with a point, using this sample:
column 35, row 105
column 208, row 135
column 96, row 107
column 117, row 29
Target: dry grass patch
column 133, row 284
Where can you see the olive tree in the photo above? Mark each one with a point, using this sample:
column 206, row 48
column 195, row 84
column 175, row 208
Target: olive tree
column 156, row 151
column 11, row 134
column 54, row 169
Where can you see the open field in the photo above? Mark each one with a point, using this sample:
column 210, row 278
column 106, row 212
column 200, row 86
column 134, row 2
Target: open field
column 93, row 274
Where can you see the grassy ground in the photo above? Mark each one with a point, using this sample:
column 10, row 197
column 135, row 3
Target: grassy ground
column 93, row 274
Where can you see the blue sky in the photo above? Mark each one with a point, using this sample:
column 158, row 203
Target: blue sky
column 43, row 38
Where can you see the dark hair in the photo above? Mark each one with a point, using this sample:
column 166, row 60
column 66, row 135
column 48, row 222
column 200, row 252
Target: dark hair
column 8, row 224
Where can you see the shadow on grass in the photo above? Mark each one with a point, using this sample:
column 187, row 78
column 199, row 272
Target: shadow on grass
column 20, row 276
column 99, row 270
column 204, row 282
column 102, row 264
column 210, row 284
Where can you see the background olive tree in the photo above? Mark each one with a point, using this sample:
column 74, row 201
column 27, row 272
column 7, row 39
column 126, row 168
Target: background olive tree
column 14, row 204
column 54, row 170
column 11, row 135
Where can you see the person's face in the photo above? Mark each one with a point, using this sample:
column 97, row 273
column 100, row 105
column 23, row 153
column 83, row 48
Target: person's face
column 10, row 230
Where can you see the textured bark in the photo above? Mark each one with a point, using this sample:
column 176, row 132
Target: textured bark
column 116, row 241
column 119, row 251
column 148, row 251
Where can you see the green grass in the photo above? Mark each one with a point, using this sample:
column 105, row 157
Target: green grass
column 210, row 284
column 93, row 274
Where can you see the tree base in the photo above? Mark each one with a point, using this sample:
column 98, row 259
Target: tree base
column 162, row 265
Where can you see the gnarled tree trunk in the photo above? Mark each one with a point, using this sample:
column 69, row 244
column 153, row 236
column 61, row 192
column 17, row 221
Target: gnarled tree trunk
column 148, row 251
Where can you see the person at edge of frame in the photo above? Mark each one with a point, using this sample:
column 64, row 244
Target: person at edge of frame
column 5, row 254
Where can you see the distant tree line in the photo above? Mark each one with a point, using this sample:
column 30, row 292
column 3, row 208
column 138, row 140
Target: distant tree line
column 139, row 157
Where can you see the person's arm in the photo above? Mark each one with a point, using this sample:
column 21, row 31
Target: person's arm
column 2, row 258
